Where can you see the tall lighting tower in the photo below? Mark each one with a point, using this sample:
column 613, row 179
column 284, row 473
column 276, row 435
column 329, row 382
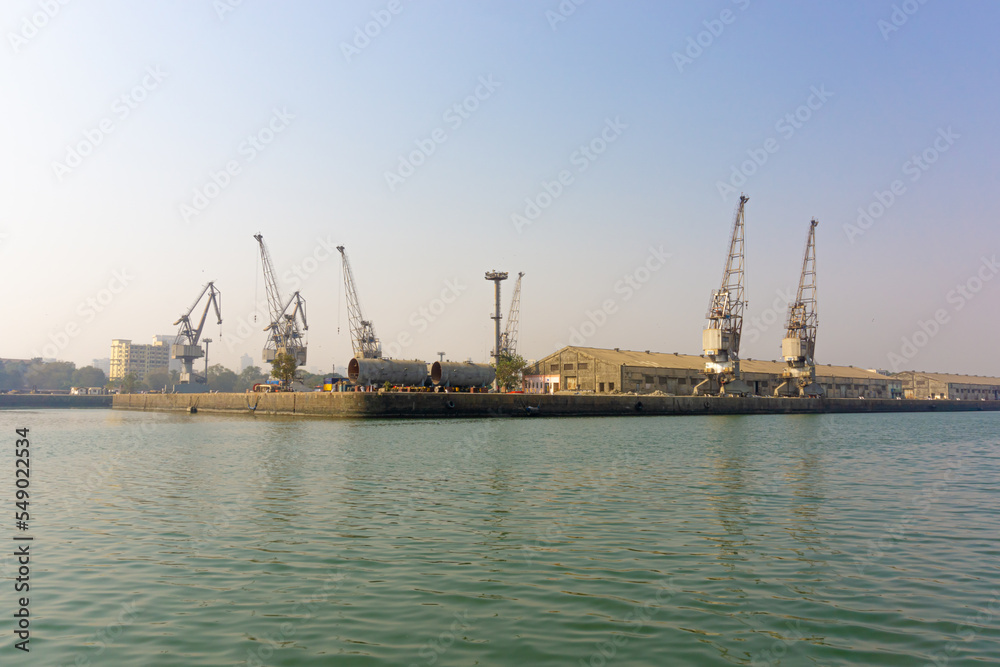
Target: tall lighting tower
column 496, row 277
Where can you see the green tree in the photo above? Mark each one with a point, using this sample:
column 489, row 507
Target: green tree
column 248, row 377
column 11, row 375
column 51, row 375
column 158, row 379
column 509, row 371
column 88, row 376
column 128, row 383
column 312, row 380
column 221, row 378
column 284, row 369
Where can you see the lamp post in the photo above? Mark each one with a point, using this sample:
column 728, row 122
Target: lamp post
column 207, row 341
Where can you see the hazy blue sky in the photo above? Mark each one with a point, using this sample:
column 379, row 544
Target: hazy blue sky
column 116, row 115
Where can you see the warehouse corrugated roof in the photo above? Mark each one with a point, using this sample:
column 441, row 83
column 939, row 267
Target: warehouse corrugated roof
column 954, row 378
column 693, row 362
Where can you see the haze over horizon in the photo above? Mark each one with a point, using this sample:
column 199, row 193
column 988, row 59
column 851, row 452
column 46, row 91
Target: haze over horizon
column 598, row 147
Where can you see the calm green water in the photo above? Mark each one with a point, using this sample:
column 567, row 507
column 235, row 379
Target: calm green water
column 794, row 540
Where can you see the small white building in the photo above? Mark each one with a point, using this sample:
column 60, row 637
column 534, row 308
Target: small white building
column 87, row 391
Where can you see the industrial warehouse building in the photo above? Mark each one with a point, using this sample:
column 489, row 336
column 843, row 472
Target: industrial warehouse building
column 945, row 385
column 608, row 371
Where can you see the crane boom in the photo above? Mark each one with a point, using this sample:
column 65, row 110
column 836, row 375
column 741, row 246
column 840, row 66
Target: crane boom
column 799, row 343
column 508, row 341
column 285, row 333
column 721, row 338
column 186, row 346
column 364, row 342
column 270, row 286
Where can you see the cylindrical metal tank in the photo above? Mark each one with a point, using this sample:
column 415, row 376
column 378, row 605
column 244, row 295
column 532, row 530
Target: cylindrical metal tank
column 461, row 374
column 396, row 372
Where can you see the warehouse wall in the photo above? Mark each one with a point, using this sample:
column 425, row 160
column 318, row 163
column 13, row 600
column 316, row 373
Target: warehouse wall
column 583, row 372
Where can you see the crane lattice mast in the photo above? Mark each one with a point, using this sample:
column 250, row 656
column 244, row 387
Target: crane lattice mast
column 799, row 344
column 721, row 338
column 285, row 334
column 365, row 343
column 186, row 346
column 270, row 286
column 508, row 341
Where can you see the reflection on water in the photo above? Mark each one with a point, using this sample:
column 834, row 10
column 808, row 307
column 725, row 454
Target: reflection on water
column 813, row 539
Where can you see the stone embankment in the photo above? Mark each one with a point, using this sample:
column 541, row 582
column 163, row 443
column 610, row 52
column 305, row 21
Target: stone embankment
column 437, row 405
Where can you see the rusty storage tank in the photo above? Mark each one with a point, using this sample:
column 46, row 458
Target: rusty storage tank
column 461, row 374
column 397, row 372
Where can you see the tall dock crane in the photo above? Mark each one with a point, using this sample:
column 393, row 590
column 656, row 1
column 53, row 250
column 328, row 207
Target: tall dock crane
column 288, row 322
column 368, row 367
column 508, row 341
column 187, row 345
column 721, row 338
column 799, row 343
column 365, row 343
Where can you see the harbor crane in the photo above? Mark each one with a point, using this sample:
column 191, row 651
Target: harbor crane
column 721, row 338
column 288, row 322
column 799, row 343
column 508, row 341
column 365, row 343
column 187, row 345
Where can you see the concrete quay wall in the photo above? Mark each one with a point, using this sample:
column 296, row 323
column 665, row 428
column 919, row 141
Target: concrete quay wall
column 32, row 401
column 438, row 405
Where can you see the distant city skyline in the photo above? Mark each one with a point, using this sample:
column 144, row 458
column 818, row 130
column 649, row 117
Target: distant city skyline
column 147, row 143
